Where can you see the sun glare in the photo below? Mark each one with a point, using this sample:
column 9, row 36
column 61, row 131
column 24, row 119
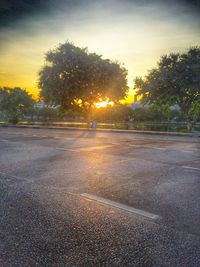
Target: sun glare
column 103, row 104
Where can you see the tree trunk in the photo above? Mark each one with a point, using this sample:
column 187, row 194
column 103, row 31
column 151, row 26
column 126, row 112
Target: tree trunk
column 189, row 122
column 189, row 125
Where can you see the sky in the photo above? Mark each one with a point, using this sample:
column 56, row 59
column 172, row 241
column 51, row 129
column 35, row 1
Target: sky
column 134, row 32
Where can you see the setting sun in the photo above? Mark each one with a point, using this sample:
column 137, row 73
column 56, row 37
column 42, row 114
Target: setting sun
column 103, row 104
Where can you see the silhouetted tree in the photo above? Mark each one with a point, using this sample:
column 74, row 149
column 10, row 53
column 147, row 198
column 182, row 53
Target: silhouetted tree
column 73, row 78
column 176, row 80
column 15, row 102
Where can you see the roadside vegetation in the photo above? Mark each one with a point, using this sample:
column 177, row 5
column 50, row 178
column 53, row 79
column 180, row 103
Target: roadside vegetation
column 74, row 82
column 175, row 81
column 15, row 103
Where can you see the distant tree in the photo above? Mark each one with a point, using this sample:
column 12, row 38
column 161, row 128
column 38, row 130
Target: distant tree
column 74, row 79
column 176, row 80
column 155, row 113
column 15, row 102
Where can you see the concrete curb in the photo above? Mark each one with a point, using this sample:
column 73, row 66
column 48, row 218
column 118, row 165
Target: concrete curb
column 102, row 130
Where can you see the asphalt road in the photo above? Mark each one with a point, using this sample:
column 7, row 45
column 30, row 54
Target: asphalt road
column 45, row 220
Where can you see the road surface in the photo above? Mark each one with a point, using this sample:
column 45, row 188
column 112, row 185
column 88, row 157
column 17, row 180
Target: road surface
column 87, row 198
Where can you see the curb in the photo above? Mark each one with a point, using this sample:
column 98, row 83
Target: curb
column 103, row 130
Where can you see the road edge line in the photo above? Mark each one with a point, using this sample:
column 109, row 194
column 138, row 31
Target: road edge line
column 134, row 211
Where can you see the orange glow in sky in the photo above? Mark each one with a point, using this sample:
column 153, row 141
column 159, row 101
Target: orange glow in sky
column 133, row 33
column 103, row 104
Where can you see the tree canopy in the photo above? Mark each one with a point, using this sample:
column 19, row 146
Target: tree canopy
column 72, row 77
column 176, row 80
column 15, row 102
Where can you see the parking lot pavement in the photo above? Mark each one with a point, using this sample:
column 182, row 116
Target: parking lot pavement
column 73, row 198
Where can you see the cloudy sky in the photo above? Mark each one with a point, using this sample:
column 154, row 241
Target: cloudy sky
column 134, row 32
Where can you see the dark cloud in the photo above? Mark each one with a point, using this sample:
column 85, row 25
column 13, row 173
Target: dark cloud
column 11, row 10
column 14, row 10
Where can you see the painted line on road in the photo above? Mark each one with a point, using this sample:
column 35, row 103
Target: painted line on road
column 191, row 168
column 159, row 148
column 3, row 140
column 143, row 146
column 123, row 207
column 125, row 160
column 79, row 149
column 16, row 177
column 94, row 148
column 165, row 149
column 188, row 151
column 66, row 149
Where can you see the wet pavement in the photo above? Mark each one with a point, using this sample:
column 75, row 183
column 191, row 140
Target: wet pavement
column 45, row 220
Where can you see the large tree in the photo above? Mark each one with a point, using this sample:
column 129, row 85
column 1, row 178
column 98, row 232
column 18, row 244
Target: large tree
column 15, row 102
column 74, row 78
column 176, row 80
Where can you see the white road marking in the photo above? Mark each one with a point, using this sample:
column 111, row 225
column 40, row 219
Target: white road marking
column 64, row 138
column 16, row 177
column 125, row 160
column 66, row 149
column 165, row 149
column 143, row 146
column 123, row 207
column 94, row 148
column 159, row 148
column 188, row 151
column 191, row 168
column 3, row 140
column 83, row 148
